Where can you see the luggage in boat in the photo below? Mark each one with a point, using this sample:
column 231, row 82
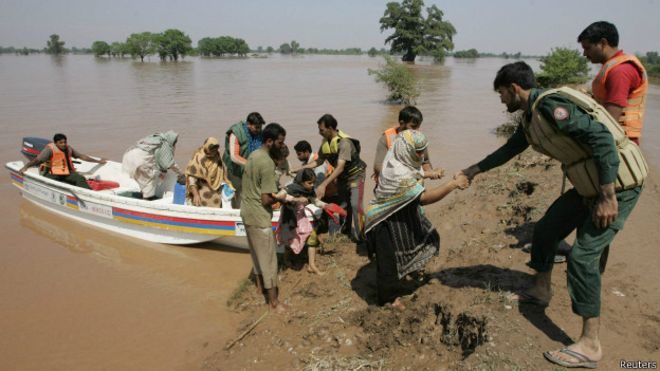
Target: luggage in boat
column 179, row 193
column 100, row 185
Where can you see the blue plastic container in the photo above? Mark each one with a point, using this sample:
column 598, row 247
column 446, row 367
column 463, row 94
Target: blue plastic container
column 179, row 193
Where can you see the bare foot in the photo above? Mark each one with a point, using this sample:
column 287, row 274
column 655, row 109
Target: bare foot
column 280, row 308
column 312, row 269
column 397, row 304
column 534, row 296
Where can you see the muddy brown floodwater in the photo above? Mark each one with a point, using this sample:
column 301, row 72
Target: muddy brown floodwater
column 74, row 297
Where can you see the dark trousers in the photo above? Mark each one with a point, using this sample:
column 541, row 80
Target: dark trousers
column 73, row 179
column 351, row 193
column 389, row 285
column 590, row 250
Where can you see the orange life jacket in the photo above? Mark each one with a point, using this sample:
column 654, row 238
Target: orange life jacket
column 632, row 118
column 59, row 160
column 390, row 134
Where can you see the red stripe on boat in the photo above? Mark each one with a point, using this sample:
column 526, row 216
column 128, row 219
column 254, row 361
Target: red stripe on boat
column 174, row 219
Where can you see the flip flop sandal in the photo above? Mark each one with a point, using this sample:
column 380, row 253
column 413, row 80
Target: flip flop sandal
column 560, row 259
column 581, row 360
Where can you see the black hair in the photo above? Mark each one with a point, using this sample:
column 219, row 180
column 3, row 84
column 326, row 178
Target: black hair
column 519, row 73
column 307, row 175
column 303, row 146
column 411, row 114
column 59, row 136
column 255, row 118
column 272, row 131
column 328, row 121
column 600, row 30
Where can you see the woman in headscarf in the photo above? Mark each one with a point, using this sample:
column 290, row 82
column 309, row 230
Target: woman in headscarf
column 149, row 159
column 205, row 175
column 396, row 227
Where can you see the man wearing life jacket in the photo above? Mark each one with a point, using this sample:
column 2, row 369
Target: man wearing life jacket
column 58, row 164
column 241, row 140
column 409, row 118
column 574, row 129
column 621, row 84
column 343, row 153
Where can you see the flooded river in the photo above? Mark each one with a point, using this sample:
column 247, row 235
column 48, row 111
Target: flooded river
column 73, row 297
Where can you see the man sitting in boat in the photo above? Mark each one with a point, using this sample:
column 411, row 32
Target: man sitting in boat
column 56, row 158
column 149, row 160
column 206, row 174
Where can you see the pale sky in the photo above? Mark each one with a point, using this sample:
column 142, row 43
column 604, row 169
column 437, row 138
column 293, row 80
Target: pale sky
column 528, row 26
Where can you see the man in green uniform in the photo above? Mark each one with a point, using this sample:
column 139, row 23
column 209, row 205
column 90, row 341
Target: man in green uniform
column 602, row 198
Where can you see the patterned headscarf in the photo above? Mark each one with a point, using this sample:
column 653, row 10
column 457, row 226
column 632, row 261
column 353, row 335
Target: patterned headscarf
column 401, row 180
column 402, row 164
column 206, row 164
column 162, row 146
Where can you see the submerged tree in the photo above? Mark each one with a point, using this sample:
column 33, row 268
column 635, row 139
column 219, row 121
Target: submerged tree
column 173, row 43
column 415, row 35
column 562, row 66
column 295, row 47
column 141, row 44
column 54, row 46
column 100, row 48
column 400, row 82
column 470, row 53
column 285, row 48
column 219, row 46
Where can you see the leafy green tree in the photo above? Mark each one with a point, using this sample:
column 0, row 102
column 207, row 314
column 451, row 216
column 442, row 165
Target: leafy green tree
column 372, row 52
column 562, row 66
column 54, row 46
column 415, row 35
column 260, row 49
column 285, row 48
column 173, row 43
column 295, row 47
column 118, row 49
column 470, row 53
column 219, row 46
column 651, row 62
column 141, row 44
column 100, row 48
column 398, row 79
column 270, row 49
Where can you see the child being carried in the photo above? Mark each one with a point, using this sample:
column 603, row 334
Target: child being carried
column 294, row 225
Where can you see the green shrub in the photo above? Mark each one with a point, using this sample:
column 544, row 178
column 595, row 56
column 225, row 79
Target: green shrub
column 562, row 66
column 398, row 79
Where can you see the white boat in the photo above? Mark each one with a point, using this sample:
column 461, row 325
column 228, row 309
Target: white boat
column 115, row 210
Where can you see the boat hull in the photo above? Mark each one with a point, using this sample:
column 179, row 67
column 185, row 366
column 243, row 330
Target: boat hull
column 151, row 221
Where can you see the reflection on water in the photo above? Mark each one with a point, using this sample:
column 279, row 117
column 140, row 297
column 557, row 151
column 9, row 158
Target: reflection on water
column 120, row 250
column 109, row 302
column 83, row 239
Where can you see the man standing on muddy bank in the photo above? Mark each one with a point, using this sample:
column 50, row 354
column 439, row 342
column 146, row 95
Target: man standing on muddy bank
column 621, row 84
column 343, row 153
column 575, row 130
column 259, row 188
column 241, row 140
